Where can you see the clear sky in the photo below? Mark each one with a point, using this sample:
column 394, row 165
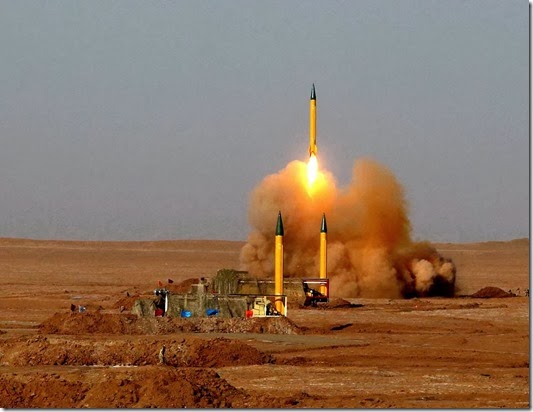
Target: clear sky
column 147, row 120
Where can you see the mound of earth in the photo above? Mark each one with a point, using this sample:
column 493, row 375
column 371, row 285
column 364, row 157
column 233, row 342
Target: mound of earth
column 182, row 287
column 132, row 388
column 75, row 323
column 129, row 324
column 492, row 292
column 274, row 325
column 146, row 387
column 187, row 352
column 126, row 302
column 333, row 303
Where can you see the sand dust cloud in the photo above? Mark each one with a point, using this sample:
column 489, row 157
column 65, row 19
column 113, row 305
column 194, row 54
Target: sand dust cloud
column 370, row 251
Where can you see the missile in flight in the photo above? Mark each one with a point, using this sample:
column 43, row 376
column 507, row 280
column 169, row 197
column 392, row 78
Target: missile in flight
column 312, row 123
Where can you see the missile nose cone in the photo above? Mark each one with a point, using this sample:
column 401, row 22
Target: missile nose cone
column 313, row 94
column 279, row 226
column 324, row 226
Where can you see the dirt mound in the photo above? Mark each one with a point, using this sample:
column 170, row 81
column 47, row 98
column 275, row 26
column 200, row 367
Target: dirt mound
column 187, row 352
column 492, row 292
column 89, row 322
column 222, row 352
column 333, row 303
column 112, row 323
column 182, row 287
column 277, row 325
column 132, row 388
column 126, row 302
column 146, row 387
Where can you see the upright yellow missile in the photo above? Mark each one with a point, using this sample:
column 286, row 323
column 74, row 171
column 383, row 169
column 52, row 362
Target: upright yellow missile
column 323, row 252
column 312, row 123
column 278, row 266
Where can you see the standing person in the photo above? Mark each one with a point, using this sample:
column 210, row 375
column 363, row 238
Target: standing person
column 162, row 356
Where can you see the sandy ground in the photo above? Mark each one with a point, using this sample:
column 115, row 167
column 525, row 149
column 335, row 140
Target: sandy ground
column 420, row 353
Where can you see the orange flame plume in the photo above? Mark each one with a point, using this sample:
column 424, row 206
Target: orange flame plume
column 312, row 171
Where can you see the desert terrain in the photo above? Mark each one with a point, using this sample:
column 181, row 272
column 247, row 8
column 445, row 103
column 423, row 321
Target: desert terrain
column 461, row 352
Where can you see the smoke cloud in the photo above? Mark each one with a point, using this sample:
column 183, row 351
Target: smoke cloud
column 370, row 251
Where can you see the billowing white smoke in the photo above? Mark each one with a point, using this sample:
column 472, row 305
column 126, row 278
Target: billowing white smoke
column 370, row 251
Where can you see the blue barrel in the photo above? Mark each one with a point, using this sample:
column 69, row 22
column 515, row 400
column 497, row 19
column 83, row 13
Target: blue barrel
column 185, row 313
column 211, row 312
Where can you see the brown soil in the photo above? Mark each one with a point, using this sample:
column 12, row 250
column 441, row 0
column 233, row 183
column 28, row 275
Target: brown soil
column 182, row 287
column 126, row 303
column 466, row 352
column 333, row 303
column 185, row 352
column 123, row 388
column 112, row 323
column 492, row 292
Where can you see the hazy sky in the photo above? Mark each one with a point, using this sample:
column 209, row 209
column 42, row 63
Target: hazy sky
column 149, row 120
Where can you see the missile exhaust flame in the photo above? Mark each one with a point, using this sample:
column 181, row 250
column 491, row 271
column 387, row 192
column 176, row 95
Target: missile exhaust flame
column 312, row 171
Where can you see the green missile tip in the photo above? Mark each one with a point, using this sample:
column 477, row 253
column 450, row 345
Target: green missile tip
column 324, row 226
column 313, row 94
column 279, row 226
